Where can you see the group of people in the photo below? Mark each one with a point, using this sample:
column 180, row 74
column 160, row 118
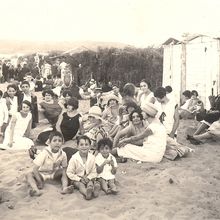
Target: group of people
column 83, row 149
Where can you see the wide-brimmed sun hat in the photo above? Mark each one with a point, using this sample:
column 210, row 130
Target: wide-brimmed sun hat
column 95, row 112
column 150, row 109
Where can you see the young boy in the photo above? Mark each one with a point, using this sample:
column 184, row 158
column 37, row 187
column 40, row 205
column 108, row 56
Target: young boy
column 50, row 164
column 106, row 166
column 82, row 170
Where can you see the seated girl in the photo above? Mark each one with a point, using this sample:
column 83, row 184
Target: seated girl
column 18, row 131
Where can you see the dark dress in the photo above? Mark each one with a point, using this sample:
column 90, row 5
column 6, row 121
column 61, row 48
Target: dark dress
column 69, row 126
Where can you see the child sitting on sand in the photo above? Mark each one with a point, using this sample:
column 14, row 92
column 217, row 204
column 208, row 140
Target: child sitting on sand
column 106, row 166
column 82, row 170
column 50, row 164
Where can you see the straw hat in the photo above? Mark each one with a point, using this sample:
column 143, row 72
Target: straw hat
column 150, row 109
column 95, row 112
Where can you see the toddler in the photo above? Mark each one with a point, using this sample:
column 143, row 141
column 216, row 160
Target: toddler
column 106, row 166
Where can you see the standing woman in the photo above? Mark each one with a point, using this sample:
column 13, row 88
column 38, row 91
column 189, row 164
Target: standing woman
column 18, row 131
column 145, row 95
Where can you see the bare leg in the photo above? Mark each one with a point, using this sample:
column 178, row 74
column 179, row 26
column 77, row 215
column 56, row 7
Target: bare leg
column 206, row 135
column 201, row 128
column 112, row 186
column 96, row 189
column 89, row 190
column 61, row 173
column 39, row 179
column 81, row 187
column 33, row 184
column 104, row 186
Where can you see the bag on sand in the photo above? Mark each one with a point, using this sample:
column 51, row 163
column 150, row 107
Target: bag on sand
column 174, row 149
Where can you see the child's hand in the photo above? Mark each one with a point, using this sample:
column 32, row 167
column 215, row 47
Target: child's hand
column 111, row 162
column 84, row 180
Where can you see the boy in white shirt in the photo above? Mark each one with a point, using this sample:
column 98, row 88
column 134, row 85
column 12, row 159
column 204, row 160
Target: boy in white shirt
column 106, row 166
column 50, row 164
column 82, row 170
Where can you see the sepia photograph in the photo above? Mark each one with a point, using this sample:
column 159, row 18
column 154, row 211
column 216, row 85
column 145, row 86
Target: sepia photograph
column 110, row 110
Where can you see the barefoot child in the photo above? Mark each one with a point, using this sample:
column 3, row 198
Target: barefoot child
column 82, row 170
column 50, row 164
column 106, row 166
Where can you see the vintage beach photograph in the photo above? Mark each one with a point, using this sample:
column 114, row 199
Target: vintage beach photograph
column 110, row 110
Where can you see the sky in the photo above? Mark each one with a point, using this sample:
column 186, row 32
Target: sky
column 136, row 22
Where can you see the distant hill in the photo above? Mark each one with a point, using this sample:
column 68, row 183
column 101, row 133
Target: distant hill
column 25, row 47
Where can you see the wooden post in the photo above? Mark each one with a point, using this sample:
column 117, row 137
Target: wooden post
column 183, row 68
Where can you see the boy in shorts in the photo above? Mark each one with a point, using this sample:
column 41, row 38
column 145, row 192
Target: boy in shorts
column 50, row 164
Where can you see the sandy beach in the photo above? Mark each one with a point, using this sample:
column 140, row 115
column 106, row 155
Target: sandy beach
column 188, row 188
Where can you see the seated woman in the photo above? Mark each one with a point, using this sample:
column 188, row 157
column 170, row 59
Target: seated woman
column 184, row 108
column 50, row 107
column 18, row 131
column 136, row 127
column 154, row 140
column 194, row 106
column 68, row 123
column 210, row 116
column 11, row 99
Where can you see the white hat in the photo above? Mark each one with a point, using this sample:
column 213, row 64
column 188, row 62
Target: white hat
column 150, row 109
column 95, row 112
column 112, row 97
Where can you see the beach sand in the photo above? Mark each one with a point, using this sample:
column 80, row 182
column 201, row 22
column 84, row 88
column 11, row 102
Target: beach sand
column 188, row 188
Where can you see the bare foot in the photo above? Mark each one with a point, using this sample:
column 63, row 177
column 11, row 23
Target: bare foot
column 89, row 192
column 96, row 190
column 67, row 190
column 33, row 192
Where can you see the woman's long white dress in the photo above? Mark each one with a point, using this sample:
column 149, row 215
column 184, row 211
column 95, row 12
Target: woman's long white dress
column 154, row 146
column 19, row 141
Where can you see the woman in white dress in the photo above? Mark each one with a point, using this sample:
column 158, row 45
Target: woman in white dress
column 18, row 130
column 154, row 143
column 145, row 95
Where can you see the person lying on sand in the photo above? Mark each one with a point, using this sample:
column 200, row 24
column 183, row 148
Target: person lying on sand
column 50, row 164
column 82, row 169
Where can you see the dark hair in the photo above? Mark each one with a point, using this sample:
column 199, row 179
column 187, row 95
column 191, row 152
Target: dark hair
column 55, row 133
column 12, row 86
column 129, row 89
column 73, row 102
column 49, row 77
column 168, row 89
column 83, row 137
column 67, row 92
column 1, row 93
column 105, row 141
column 131, row 104
column 160, row 92
column 145, row 81
column 187, row 93
column 49, row 91
column 194, row 92
column 136, row 111
column 110, row 100
column 25, row 83
column 27, row 103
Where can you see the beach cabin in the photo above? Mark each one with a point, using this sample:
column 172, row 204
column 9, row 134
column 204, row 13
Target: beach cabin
column 193, row 64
